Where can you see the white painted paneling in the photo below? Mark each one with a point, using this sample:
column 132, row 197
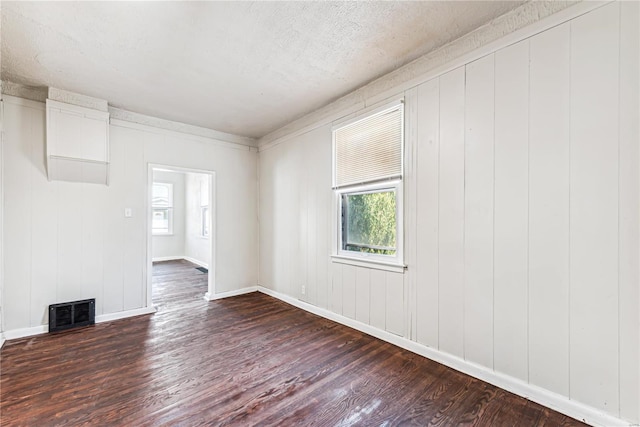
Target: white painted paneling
column 478, row 212
column 92, row 263
column 394, row 302
column 17, row 146
column 539, row 177
column 363, row 294
column 427, row 195
column 134, row 227
column 451, row 213
column 378, row 311
column 114, row 223
column 510, row 262
column 336, row 288
column 69, row 241
column 594, row 364
column 349, row 291
column 196, row 246
column 629, row 211
column 44, row 254
column 549, row 112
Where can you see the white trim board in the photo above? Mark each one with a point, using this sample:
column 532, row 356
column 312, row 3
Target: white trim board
column 228, row 294
column 43, row 329
column 537, row 394
column 195, row 261
column 2, row 340
column 166, row 258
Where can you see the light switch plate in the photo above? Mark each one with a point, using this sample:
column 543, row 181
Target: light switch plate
column 128, row 213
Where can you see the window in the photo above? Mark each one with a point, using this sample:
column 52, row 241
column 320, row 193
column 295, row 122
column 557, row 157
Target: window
column 162, row 206
column 367, row 181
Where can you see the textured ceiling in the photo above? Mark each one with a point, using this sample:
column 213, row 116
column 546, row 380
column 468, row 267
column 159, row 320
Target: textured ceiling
column 246, row 68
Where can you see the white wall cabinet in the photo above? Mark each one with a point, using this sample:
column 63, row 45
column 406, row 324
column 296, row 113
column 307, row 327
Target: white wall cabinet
column 77, row 143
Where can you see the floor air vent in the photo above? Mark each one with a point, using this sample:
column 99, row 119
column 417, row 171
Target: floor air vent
column 73, row 314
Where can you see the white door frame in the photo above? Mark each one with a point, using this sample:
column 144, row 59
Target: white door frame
column 211, row 290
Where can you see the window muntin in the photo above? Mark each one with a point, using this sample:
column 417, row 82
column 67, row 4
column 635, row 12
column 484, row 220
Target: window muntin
column 162, row 208
column 367, row 181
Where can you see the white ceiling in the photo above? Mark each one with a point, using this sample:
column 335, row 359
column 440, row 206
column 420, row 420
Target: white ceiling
column 246, row 68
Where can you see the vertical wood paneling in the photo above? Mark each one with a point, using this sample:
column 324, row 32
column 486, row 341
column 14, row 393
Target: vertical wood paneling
column 362, row 294
column 427, row 180
column 451, row 213
column 114, row 227
column 629, row 211
column 69, row 241
column 312, row 249
column 549, row 112
column 44, row 250
column 17, row 215
column 306, row 235
column 511, row 210
column 378, row 314
column 349, row 291
column 134, row 227
column 478, row 212
column 395, row 303
column 594, row 209
column 92, row 264
column 410, row 209
column 336, row 288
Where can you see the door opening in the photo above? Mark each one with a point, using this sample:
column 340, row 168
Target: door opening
column 180, row 234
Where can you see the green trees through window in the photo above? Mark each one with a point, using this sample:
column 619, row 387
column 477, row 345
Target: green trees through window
column 370, row 222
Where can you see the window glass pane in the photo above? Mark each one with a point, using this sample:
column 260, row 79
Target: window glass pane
column 370, row 222
column 161, row 195
column 160, row 220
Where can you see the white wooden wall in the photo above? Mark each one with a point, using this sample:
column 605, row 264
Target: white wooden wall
column 66, row 241
column 525, row 191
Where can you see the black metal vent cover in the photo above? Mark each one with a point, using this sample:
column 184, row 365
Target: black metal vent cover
column 73, row 314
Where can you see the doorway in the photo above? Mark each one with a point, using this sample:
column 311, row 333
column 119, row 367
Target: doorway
column 180, row 234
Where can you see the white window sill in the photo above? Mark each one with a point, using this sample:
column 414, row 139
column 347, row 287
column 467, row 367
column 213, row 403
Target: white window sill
column 369, row 263
column 162, row 234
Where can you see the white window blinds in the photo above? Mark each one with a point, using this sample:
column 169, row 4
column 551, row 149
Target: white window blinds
column 370, row 149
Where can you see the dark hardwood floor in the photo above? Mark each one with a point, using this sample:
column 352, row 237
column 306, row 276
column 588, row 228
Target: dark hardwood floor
column 247, row 360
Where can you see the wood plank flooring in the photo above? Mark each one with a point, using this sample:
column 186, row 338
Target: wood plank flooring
column 247, row 360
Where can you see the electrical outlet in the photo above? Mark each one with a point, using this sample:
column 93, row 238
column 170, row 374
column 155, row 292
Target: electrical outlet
column 303, row 289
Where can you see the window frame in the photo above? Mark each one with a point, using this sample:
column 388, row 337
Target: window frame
column 386, row 262
column 378, row 187
column 169, row 209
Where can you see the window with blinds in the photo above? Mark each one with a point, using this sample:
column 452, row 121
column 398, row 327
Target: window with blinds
column 369, row 150
column 367, row 182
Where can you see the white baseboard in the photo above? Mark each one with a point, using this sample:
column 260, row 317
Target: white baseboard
column 184, row 257
column 26, row 332
column 124, row 314
column 537, row 394
column 195, row 261
column 166, row 258
column 2, row 340
column 43, row 329
column 235, row 292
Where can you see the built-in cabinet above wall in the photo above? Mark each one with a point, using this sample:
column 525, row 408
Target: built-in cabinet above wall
column 77, row 143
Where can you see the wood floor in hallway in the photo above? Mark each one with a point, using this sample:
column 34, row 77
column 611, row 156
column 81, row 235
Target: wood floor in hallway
column 247, row 360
